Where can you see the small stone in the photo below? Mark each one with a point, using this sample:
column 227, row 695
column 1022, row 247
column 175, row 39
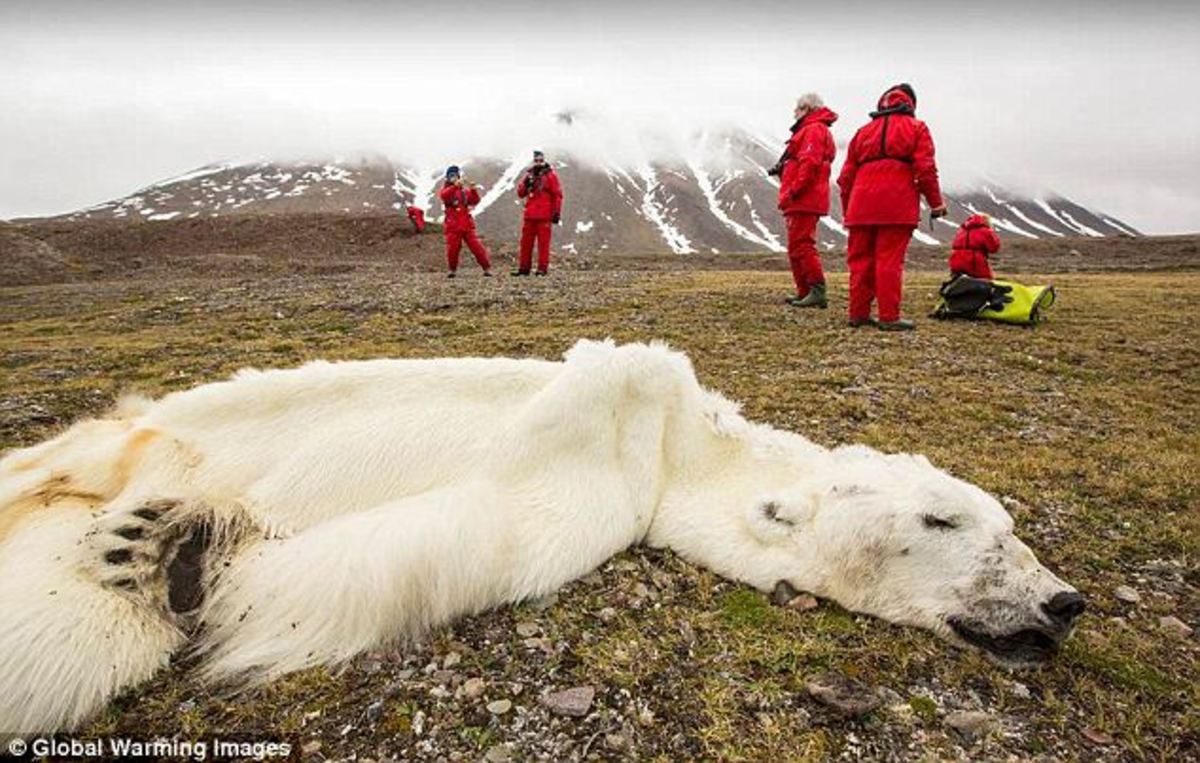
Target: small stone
column 1126, row 594
column 625, row 565
column 616, row 742
column 608, row 614
column 1175, row 625
column 418, row 723
column 374, row 711
column 803, row 603
column 472, row 688
column 1020, row 690
column 972, row 725
column 498, row 753
column 575, row 702
column 645, row 717
column 783, row 593
column 640, row 591
column 311, row 748
column 527, row 629
column 543, row 603
column 1095, row 736
column 499, row 707
column 451, row 660
column 544, row 645
column 849, row 698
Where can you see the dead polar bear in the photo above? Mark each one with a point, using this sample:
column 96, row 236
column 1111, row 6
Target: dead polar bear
column 304, row 516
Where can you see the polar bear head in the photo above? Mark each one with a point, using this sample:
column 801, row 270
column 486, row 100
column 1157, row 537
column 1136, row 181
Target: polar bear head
column 895, row 537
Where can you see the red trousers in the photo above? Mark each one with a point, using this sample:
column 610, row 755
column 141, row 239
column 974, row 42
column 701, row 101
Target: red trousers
column 802, row 252
column 454, row 242
column 971, row 262
column 875, row 255
column 539, row 229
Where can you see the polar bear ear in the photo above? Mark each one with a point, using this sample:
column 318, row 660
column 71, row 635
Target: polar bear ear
column 773, row 520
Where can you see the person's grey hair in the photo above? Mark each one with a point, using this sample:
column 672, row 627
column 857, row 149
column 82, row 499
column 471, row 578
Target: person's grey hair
column 809, row 102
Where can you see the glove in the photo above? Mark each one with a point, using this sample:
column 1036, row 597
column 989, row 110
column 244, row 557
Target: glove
column 557, row 219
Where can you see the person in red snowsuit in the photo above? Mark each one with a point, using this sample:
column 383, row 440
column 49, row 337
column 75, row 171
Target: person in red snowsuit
column 973, row 244
column 889, row 165
column 417, row 216
column 804, row 195
column 543, row 196
column 458, row 197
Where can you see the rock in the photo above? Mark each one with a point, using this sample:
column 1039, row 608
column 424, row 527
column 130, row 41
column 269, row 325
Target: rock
column 311, row 748
column 498, row 753
column 617, row 742
column 575, row 702
column 783, row 593
column 472, row 688
column 1126, row 594
column 847, row 697
column 1020, row 690
column 527, row 629
column 802, row 603
column 451, row 660
column 645, row 717
column 545, row 602
column 499, row 707
column 418, row 723
column 1095, row 736
column 1175, row 625
column 972, row 725
column 607, row 614
column 374, row 711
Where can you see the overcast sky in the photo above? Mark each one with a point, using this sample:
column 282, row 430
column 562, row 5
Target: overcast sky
column 1098, row 101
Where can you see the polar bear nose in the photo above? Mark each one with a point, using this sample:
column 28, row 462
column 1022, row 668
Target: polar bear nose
column 1064, row 607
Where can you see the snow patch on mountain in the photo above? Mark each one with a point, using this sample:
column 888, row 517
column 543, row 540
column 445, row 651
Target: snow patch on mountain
column 657, row 215
column 709, row 190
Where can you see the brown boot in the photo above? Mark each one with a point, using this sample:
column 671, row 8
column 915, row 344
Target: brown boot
column 900, row 324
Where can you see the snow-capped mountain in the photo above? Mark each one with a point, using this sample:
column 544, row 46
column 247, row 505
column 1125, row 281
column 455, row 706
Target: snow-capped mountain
column 711, row 196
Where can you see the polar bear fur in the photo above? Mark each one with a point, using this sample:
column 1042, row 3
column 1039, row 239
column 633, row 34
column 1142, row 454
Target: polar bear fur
column 319, row 512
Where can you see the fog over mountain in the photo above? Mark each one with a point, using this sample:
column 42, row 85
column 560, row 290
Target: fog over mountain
column 1076, row 98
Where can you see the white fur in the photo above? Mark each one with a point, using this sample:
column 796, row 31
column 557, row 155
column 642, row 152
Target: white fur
column 360, row 503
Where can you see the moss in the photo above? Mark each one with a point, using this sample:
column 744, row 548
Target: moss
column 745, row 608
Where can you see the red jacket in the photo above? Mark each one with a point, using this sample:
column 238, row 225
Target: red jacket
column 889, row 161
column 974, row 237
column 804, row 184
column 458, row 202
column 543, row 195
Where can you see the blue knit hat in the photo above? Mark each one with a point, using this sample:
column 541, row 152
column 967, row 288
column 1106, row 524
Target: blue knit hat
column 453, row 170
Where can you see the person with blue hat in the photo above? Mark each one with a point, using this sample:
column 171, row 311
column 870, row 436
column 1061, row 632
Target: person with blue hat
column 458, row 197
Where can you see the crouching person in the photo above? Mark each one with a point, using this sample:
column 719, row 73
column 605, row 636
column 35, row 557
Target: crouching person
column 458, row 197
column 974, row 243
column 416, row 216
column 804, row 195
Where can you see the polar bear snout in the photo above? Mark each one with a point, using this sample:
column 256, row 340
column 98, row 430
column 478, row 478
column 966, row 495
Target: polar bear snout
column 1064, row 608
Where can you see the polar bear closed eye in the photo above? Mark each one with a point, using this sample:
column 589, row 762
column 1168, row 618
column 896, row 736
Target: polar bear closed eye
column 286, row 519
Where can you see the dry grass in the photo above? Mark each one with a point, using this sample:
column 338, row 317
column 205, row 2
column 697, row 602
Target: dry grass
column 1087, row 425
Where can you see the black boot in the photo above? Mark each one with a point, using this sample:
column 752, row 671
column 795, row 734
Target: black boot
column 814, row 298
column 520, row 273
column 900, row 324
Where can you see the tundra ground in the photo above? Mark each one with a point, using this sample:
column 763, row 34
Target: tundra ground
column 1086, row 427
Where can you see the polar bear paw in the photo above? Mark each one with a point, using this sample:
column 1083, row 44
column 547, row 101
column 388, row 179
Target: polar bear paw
column 148, row 552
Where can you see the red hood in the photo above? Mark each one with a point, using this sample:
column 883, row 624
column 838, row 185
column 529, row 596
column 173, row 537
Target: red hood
column 895, row 97
column 977, row 221
column 823, row 114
